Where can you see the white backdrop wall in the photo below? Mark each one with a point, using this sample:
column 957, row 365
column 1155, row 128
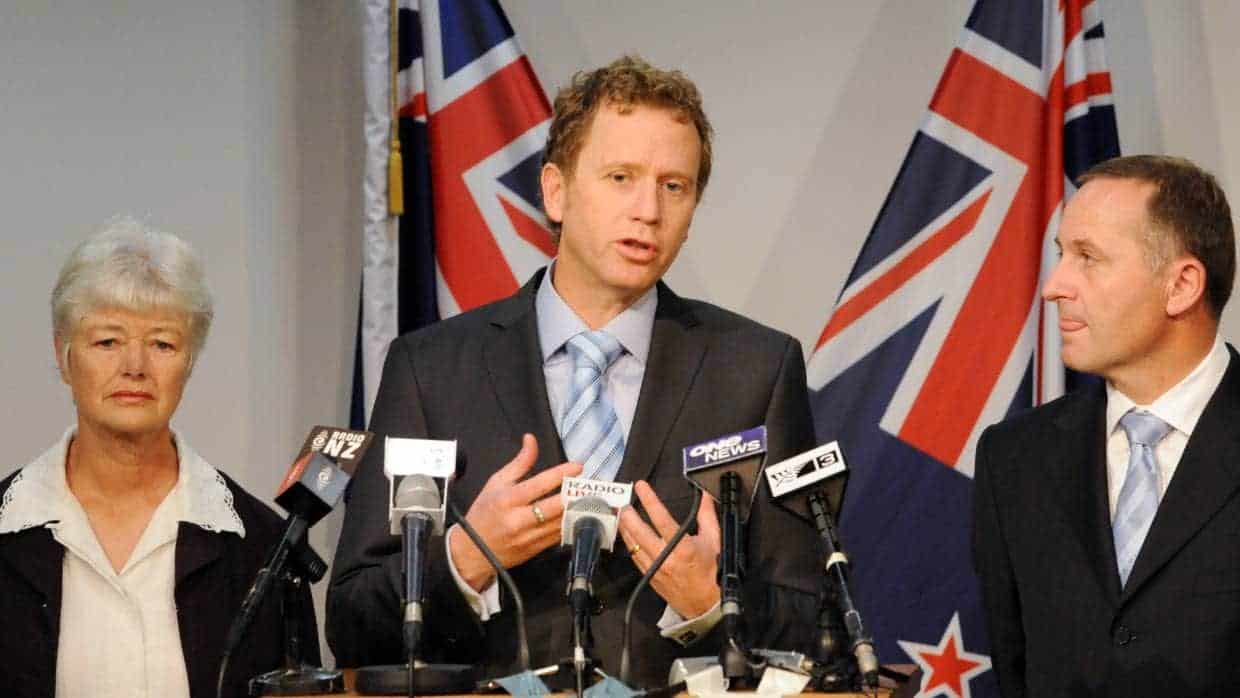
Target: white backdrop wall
column 236, row 125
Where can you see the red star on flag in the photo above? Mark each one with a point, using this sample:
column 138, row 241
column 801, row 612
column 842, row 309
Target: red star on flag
column 946, row 668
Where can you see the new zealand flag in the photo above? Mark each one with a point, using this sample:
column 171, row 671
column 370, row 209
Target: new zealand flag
column 472, row 121
column 940, row 330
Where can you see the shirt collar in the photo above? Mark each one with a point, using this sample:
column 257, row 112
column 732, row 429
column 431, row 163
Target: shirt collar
column 39, row 494
column 1182, row 405
column 558, row 323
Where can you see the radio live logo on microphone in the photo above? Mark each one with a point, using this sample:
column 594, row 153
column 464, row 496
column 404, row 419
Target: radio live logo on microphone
column 616, row 494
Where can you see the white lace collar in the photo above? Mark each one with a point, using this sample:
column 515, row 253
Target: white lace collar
column 39, row 494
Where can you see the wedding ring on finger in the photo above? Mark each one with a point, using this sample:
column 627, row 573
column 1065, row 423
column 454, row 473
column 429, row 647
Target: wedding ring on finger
column 633, row 551
column 538, row 514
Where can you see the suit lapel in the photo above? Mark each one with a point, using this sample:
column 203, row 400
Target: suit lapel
column 1207, row 476
column 676, row 353
column 36, row 556
column 514, row 362
column 195, row 549
column 1078, row 470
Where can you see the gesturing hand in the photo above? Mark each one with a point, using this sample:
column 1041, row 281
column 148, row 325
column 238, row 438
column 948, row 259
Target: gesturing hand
column 506, row 515
column 687, row 580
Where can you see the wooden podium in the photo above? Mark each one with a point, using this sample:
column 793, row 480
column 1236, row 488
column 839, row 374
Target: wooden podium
column 884, row 692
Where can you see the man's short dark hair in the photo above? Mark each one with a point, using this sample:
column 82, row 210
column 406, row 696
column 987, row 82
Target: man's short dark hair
column 1188, row 212
column 626, row 82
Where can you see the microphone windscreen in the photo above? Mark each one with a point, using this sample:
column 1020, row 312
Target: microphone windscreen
column 417, row 491
column 591, row 505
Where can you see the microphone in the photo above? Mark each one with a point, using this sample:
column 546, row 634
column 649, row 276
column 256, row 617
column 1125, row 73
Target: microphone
column 590, row 524
column 741, row 454
column 417, row 495
column 811, row 485
column 606, row 500
column 727, row 468
column 418, row 470
column 313, row 486
column 433, row 462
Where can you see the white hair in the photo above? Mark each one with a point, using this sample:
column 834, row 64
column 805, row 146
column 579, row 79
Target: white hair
column 132, row 266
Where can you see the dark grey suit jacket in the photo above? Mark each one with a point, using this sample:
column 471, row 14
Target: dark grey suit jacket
column 478, row 378
column 1059, row 623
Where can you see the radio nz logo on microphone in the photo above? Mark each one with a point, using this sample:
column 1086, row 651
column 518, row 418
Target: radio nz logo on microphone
column 341, row 445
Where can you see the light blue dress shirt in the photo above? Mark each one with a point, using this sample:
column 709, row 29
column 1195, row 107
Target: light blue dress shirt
column 622, row 382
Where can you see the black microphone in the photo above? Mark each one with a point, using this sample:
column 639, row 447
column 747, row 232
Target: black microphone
column 727, row 468
column 589, row 524
column 416, row 469
column 811, row 485
column 313, row 486
column 415, row 492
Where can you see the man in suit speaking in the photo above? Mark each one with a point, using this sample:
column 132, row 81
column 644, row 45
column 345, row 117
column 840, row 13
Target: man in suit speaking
column 597, row 366
column 1107, row 522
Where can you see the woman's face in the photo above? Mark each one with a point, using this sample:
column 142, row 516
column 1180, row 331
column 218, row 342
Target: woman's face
column 126, row 369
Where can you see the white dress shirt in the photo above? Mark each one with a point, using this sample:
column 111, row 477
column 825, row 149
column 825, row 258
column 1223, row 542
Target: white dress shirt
column 633, row 328
column 119, row 636
column 1181, row 407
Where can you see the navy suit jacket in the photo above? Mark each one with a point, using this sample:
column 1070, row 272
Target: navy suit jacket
column 1059, row 623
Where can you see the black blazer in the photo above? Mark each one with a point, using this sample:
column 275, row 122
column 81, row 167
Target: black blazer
column 478, row 378
column 1059, row 623
column 213, row 573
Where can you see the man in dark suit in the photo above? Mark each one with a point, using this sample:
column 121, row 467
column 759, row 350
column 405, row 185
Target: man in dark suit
column 1107, row 522
column 627, row 158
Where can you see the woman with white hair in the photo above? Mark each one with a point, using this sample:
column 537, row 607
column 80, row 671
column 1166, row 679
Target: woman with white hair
column 123, row 554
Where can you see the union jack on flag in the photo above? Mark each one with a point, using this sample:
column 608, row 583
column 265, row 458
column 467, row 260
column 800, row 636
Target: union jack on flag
column 940, row 330
column 472, row 121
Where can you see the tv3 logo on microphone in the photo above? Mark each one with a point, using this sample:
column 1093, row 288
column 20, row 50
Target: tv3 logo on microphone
column 805, row 469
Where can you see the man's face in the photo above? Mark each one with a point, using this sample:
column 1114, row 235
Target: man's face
column 626, row 207
column 1112, row 305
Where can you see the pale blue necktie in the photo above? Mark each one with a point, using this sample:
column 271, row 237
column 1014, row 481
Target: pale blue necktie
column 590, row 429
column 1138, row 498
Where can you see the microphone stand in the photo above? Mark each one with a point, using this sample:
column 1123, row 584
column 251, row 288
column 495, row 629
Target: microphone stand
column 297, row 677
column 583, row 663
column 441, row 679
column 838, row 616
column 733, row 657
column 834, row 669
column 267, row 576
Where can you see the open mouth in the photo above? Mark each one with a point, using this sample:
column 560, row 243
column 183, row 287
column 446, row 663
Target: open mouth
column 638, row 249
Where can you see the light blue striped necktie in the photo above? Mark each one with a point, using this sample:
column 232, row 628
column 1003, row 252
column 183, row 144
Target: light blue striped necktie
column 590, row 428
column 1138, row 498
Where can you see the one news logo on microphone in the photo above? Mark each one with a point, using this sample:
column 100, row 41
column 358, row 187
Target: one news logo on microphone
column 805, row 469
column 725, row 449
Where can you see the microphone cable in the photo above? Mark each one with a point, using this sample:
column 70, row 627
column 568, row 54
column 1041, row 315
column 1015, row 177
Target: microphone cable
column 627, row 639
column 523, row 643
